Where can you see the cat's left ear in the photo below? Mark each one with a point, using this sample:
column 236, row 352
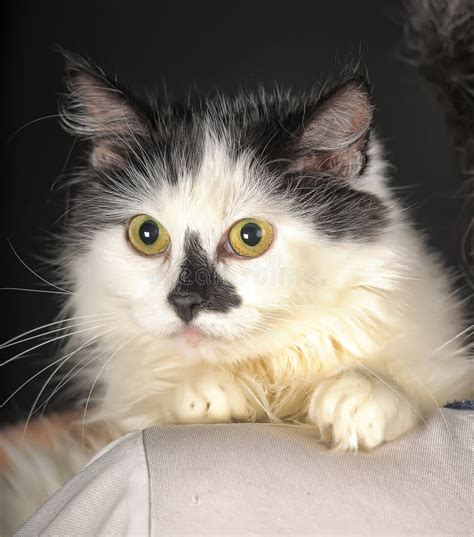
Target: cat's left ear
column 96, row 108
column 334, row 133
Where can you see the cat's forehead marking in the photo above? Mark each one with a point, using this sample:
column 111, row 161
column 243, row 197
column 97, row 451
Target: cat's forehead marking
column 229, row 185
column 211, row 199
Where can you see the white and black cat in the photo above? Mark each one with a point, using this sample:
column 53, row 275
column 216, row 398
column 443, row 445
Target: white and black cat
column 247, row 260
column 244, row 259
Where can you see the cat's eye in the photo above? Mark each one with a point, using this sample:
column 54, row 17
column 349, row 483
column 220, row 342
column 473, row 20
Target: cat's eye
column 250, row 237
column 147, row 235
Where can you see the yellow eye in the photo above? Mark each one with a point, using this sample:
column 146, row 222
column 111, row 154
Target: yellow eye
column 147, row 235
column 250, row 237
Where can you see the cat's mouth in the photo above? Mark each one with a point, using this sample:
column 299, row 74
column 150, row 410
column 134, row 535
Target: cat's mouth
column 194, row 336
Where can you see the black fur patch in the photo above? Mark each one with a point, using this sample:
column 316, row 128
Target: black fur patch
column 337, row 210
column 198, row 276
column 263, row 124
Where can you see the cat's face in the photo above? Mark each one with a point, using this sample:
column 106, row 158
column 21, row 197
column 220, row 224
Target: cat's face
column 199, row 289
column 219, row 224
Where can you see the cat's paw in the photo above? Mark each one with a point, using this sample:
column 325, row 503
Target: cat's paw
column 212, row 397
column 352, row 411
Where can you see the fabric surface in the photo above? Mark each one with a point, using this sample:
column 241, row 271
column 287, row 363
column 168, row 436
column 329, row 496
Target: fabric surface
column 260, row 479
column 109, row 497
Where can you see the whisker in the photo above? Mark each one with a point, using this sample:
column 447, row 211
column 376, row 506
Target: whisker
column 465, row 331
column 32, row 122
column 20, row 354
column 394, row 390
column 94, row 339
column 436, row 405
column 97, row 378
column 68, row 377
column 34, row 290
column 32, row 378
column 35, row 273
column 66, row 162
column 68, row 210
column 42, row 334
column 60, row 321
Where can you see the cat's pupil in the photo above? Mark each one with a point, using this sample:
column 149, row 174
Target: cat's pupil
column 149, row 232
column 251, row 234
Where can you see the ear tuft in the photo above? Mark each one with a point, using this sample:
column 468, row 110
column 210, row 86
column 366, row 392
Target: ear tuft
column 96, row 108
column 335, row 133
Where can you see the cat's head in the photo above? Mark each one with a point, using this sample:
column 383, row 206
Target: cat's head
column 218, row 226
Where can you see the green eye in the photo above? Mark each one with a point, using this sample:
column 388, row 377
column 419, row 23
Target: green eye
column 250, row 237
column 147, row 235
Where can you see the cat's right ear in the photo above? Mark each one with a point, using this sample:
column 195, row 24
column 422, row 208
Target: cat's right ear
column 96, row 108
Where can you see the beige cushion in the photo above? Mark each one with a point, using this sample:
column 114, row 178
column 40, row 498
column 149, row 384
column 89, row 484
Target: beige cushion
column 257, row 479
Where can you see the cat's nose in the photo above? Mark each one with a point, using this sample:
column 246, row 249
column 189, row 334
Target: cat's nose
column 185, row 304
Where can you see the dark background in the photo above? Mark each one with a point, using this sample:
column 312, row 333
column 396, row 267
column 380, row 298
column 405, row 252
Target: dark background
column 209, row 44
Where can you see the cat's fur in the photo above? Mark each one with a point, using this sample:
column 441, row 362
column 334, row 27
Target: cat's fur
column 347, row 323
column 346, row 308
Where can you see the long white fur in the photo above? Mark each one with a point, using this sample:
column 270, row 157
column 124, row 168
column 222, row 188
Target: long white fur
column 361, row 340
column 311, row 309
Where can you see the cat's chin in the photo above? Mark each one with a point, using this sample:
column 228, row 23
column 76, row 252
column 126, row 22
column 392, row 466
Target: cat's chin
column 194, row 337
column 198, row 334
column 201, row 343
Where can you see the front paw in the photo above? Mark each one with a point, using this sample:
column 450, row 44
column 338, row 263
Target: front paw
column 211, row 397
column 352, row 411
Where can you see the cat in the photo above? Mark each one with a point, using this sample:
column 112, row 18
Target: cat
column 245, row 259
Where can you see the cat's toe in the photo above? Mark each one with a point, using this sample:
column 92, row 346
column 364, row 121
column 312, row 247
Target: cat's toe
column 351, row 411
column 201, row 404
column 210, row 399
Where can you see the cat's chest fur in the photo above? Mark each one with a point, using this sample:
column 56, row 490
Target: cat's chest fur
column 147, row 386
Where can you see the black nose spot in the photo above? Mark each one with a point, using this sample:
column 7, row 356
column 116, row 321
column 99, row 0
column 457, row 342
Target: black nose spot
column 199, row 287
column 185, row 304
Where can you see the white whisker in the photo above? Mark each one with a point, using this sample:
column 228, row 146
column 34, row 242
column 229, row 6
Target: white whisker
column 68, row 377
column 35, row 273
column 20, row 354
column 51, row 364
column 394, row 390
column 94, row 339
column 34, row 290
column 32, row 122
column 42, row 334
column 97, row 378
column 446, row 343
column 61, row 321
